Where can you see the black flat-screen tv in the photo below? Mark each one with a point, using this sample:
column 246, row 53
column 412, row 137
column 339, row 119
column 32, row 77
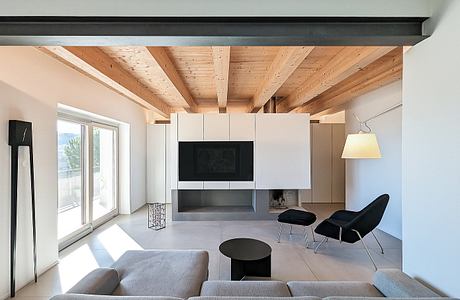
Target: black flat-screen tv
column 216, row 161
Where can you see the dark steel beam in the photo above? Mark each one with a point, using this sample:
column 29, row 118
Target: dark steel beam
column 211, row 31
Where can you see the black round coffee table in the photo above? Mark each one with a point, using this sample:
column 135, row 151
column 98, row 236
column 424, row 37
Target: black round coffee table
column 249, row 257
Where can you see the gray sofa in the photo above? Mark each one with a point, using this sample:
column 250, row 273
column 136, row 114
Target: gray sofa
column 175, row 275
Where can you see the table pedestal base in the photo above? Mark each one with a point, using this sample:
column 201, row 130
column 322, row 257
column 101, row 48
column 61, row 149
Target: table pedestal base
column 256, row 268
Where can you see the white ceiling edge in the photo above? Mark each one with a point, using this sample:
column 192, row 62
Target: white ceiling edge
column 208, row 8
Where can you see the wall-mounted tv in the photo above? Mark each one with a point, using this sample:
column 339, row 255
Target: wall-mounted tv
column 216, row 161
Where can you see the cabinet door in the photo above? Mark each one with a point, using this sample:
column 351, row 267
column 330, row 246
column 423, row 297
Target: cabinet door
column 156, row 163
column 321, row 163
column 242, row 185
column 190, row 185
column 242, row 127
column 282, row 151
column 216, row 185
column 168, row 163
column 190, row 127
column 338, row 164
column 173, row 162
column 216, row 127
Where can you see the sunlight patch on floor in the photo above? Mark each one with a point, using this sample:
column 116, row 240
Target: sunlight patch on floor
column 116, row 241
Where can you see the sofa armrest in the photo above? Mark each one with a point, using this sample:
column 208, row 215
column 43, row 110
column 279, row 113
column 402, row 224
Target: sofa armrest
column 101, row 281
column 396, row 284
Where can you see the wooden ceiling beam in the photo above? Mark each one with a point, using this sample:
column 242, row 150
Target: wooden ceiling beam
column 384, row 71
column 285, row 63
column 221, row 60
column 347, row 62
column 93, row 62
column 165, row 63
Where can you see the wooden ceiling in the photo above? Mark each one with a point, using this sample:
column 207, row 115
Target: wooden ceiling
column 230, row 79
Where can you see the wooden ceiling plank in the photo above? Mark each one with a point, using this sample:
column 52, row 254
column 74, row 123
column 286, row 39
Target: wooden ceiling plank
column 382, row 72
column 347, row 62
column 165, row 63
column 221, row 59
column 285, row 63
column 96, row 64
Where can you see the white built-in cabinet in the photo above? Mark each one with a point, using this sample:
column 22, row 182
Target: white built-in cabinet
column 327, row 166
column 158, row 189
column 281, row 150
column 282, row 156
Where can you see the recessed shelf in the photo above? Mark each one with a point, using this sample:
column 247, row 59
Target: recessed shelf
column 217, row 209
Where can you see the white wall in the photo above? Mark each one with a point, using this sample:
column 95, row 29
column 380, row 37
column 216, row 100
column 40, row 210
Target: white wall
column 31, row 86
column 368, row 178
column 431, row 154
column 216, row 8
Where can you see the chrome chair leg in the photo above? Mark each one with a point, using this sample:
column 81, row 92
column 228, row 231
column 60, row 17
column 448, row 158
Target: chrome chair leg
column 312, row 233
column 380, row 245
column 365, row 247
column 279, row 232
column 306, row 239
column 320, row 243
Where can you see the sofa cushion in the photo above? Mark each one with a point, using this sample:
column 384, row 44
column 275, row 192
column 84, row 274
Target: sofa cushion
column 101, row 281
column 245, row 289
column 250, row 298
column 394, row 283
column 324, row 289
column 106, row 297
column 172, row 273
column 378, row 298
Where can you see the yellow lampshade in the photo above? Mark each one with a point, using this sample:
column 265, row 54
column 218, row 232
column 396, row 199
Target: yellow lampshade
column 361, row 145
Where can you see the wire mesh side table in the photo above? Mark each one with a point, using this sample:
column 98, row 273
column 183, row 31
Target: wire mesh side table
column 156, row 215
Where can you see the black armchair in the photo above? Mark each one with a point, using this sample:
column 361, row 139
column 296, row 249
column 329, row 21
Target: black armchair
column 351, row 226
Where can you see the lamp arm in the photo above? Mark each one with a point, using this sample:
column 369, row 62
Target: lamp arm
column 384, row 112
column 364, row 123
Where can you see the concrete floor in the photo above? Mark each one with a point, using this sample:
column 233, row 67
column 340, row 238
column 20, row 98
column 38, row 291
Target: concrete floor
column 290, row 259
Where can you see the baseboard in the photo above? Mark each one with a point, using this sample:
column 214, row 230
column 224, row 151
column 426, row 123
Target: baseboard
column 40, row 272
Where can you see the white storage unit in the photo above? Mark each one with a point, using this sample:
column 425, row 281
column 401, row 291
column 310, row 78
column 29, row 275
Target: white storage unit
column 321, row 163
column 327, row 166
column 281, row 150
column 338, row 164
column 173, row 152
column 216, row 127
column 158, row 186
column 282, row 156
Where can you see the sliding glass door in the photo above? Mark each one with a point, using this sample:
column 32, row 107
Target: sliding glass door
column 87, row 176
column 71, row 191
column 104, row 171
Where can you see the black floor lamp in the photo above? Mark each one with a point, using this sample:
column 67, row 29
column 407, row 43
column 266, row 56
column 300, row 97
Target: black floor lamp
column 20, row 134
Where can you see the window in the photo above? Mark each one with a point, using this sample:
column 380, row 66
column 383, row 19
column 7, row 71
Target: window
column 87, row 176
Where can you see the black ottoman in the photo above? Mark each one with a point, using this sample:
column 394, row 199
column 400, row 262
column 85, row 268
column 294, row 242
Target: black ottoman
column 297, row 217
